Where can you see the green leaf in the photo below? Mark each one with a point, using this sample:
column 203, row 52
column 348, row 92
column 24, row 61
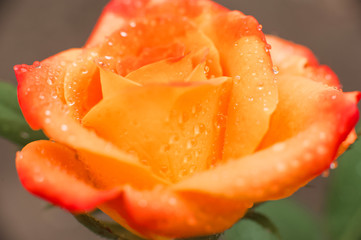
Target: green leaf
column 282, row 219
column 344, row 199
column 12, row 123
column 248, row 229
column 105, row 229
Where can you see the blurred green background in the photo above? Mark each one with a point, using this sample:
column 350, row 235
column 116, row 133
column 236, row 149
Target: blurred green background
column 34, row 30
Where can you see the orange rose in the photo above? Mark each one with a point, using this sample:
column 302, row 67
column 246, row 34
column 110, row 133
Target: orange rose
column 172, row 121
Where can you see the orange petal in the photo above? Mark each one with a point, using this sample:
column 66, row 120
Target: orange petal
column 81, row 84
column 244, row 56
column 39, row 82
column 113, row 83
column 132, row 41
column 53, row 172
column 44, row 109
column 307, row 129
column 169, row 70
column 119, row 13
column 165, row 213
column 198, row 74
column 294, row 59
column 174, row 128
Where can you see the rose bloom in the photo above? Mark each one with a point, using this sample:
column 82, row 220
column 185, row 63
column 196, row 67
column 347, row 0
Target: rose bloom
column 173, row 119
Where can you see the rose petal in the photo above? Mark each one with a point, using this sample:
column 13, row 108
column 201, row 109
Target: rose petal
column 82, row 84
column 307, row 143
column 120, row 12
column 198, row 74
column 44, row 169
column 169, row 70
column 244, row 56
column 294, row 59
column 133, row 41
column 174, row 128
column 112, row 83
column 163, row 212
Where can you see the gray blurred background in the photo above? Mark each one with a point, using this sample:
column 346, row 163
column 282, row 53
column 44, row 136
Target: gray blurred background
column 35, row 29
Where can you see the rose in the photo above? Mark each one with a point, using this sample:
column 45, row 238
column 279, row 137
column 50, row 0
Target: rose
column 172, row 121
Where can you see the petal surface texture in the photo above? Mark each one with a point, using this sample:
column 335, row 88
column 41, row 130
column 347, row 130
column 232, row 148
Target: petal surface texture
column 53, row 171
column 300, row 145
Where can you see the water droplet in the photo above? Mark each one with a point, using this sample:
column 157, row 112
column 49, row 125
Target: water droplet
column 278, row 147
column 196, row 130
column 185, row 159
column 172, row 201
column 333, row 165
column 64, row 127
column 123, row 34
column 326, row 173
column 206, row 69
column 132, row 24
column 164, row 148
column 49, row 81
column 321, row 150
column 173, row 139
column 267, row 47
column 39, row 178
column 275, row 70
column 259, row 28
column 189, row 144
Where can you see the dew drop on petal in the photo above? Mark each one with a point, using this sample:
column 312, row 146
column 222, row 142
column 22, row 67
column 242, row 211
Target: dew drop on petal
column 64, row 127
column 275, row 70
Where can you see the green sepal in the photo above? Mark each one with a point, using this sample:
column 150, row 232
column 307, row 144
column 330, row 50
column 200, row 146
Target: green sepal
column 13, row 126
column 105, row 229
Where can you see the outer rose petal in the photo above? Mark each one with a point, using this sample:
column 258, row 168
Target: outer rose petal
column 118, row 12
column 294, row 59
column 167, row 213
column 244, row 56
column 303, row 150
column 42, row 105
column 45, row 168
